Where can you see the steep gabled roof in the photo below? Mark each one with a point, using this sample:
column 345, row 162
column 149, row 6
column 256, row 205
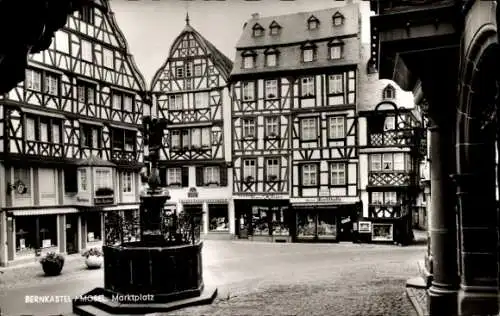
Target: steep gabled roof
column 221, row 61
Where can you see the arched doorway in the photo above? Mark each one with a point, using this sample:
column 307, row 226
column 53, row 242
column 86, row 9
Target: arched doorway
column 477, row 134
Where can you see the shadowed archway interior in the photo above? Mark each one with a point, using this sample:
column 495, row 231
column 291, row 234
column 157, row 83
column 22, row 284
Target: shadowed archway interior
column 477, row 129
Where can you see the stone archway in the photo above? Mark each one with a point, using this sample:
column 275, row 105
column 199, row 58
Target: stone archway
column 476, row 136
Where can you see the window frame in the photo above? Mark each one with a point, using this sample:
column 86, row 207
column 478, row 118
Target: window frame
column 301, row 123
column 340, row 169
column 267, row 121
column 313, row 175
column 252, row 167
column 331, row 129
column 248, row 89
column 215, row 173
column 310, row 84
column 249, row 124
column 276, row 87
column 269, row 175
column 174, row 173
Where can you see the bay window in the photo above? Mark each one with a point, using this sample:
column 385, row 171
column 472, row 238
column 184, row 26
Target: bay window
column 387, row 163
column 175, row 139
column 82, row 180
column 127, row 182
column 103, row 179
column 196, row 138
column 399, row 162
column 375, row 162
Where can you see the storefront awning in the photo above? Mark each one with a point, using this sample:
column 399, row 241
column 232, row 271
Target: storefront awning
column 121, row 207
column 43, row 211
column 208, row 201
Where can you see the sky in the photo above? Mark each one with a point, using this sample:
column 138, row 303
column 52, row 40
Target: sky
column 151, row 26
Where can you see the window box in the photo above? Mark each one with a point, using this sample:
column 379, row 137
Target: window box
column 272, row 178
column 249, row 179
column 104, row 192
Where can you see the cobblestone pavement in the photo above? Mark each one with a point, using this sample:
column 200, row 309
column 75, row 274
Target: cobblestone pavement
column 256, row 279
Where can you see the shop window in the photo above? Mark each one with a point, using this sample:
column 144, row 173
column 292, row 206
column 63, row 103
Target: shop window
column 260, row 221
column 48, row 231
column 94, row 226
column 306, row 224
column 279, row 222
column 103, row 179
column 327, row 225
column 218, row 218
column 25, row 234
column 131, row 230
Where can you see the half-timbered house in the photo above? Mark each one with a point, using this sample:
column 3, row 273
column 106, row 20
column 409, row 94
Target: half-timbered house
column 70, row 140
column 390, row 154
column 294, row 86
column 190, row 91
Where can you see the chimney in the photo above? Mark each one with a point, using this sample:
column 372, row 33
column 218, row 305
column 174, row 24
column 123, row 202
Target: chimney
column 255, row 16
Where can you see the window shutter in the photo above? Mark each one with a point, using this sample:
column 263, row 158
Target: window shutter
column 163, row 176
column 185, row 176
column 223, row 176
column 199, row 176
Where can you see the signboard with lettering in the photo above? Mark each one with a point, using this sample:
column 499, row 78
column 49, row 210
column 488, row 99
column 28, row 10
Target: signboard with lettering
column 326, row 199
column 192, row 193
column 46, row 243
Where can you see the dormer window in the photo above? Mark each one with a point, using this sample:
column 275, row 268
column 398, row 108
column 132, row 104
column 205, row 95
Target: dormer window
column 389, row 92
column 258, row 30
column 338, row 19
column 312, row 23
column 335, row 48
column 271, row 58
column 308, row 53
column 274, row 28
column 248, row 60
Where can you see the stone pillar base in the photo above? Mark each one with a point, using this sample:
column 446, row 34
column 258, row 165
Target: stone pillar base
column 478, row 303
column 441, row 302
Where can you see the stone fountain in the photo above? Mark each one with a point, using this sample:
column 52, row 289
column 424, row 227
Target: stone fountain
column 162, row 270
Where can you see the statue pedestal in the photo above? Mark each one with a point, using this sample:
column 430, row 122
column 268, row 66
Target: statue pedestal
column 147, row 277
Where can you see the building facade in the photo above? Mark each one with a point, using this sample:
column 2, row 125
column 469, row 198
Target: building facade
column 190, row 91
column 70, row 140
column 294, row 87
column 390, row 132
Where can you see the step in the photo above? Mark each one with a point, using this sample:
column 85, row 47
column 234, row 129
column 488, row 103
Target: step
column 89, row 310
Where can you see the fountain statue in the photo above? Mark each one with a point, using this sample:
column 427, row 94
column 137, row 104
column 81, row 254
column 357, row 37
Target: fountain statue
column 161, row 269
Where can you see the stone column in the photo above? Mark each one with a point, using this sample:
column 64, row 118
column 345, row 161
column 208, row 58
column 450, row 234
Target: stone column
column 478, row 293
column 442, row 229
column 231, row 217
column 205, row 211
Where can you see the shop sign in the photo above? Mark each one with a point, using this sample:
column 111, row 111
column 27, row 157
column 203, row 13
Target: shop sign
column 46, row 243
column 335, row 199
column 365, row 227
column 192, row 193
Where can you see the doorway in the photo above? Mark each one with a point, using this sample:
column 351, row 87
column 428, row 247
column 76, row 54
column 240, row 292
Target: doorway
column 71, row 233
column 345, row 228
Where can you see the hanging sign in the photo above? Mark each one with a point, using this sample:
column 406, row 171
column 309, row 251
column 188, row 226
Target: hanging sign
column 192, row 193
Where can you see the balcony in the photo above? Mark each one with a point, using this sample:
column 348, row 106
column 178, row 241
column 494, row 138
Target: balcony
column 394, row 178
column 391, row 138
column 46, row 149
column 123, row 156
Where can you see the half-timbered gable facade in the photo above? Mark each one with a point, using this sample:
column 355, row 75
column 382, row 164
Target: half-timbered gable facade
column 70, row 139
column 390, row 129
column 190, row 91
column 294, row 89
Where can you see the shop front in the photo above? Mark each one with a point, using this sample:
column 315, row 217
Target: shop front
column 324, row 219
column 34, row 232
column 264, row 220
column 216, row 215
